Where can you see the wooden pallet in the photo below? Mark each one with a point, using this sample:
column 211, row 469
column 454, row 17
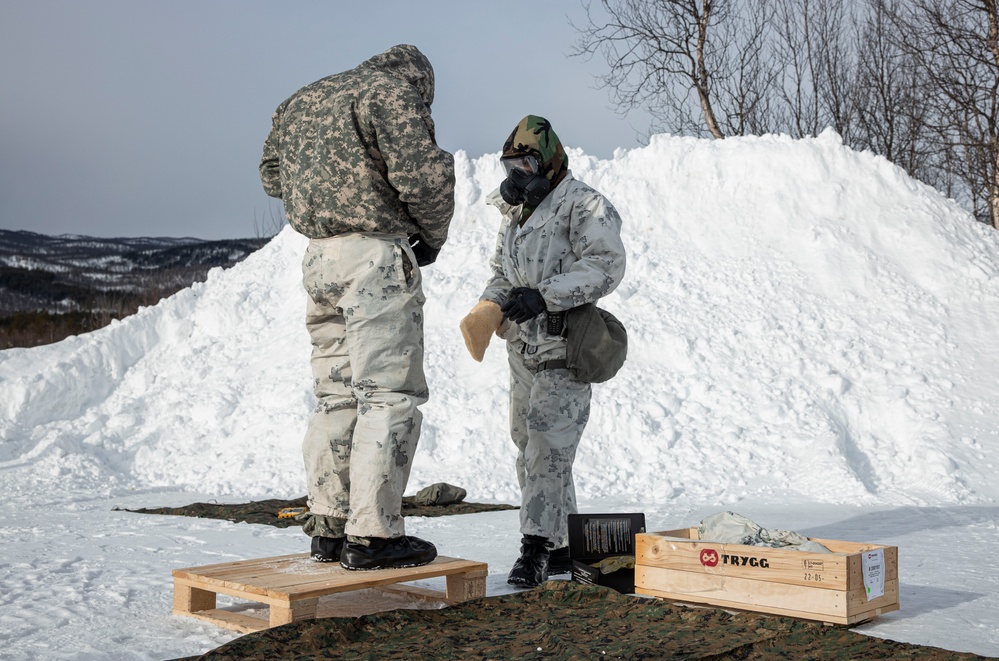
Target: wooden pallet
column 292, row 585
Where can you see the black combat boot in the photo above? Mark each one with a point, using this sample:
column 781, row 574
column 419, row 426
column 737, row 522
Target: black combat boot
column 531, row 568
column 327, row 549
column 559, row 562
column 382, row 553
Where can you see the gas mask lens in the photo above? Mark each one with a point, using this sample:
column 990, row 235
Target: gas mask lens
column 526, row 164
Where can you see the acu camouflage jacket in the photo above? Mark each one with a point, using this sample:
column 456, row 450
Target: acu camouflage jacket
column 356, row 152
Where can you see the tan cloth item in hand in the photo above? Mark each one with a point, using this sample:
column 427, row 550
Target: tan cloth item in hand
column 478, row 325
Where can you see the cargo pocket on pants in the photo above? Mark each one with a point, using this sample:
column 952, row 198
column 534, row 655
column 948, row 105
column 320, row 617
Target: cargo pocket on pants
column 407, row 267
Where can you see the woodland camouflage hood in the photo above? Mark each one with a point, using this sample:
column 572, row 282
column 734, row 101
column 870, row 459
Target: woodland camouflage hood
column 535, row 136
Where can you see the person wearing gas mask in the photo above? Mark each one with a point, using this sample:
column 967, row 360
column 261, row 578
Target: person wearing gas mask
column 354, row 159
column 559, row 247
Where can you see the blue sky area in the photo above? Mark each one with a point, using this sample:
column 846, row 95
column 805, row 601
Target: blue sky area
column 140, row 118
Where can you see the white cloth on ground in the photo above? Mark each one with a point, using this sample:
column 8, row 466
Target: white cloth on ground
column 732, row 528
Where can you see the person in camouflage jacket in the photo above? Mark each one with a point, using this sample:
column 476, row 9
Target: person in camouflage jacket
column 354, row 159
column 559, row 247
column 356, row 152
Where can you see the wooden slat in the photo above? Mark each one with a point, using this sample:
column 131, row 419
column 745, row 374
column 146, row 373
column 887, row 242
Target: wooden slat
column 239, row 592
column 232, row 574
column 865, row 616
column 343, row 580
column 752, row 594
column 685, row 533
column 731, row 605
column 303, row 609
column 855, row 575
column 835, row 606
column 857, row 602
column 239, row 564
column 414, row 591
column 228, row 620
column 834, row 545
column 462, row 587
column 838, row 546
column 825, row 571
column 188, row 599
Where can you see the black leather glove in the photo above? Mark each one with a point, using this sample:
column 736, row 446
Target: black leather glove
column 523, row 304
column 425, row 255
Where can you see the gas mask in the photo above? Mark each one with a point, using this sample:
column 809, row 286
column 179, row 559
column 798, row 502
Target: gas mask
column 524, row 183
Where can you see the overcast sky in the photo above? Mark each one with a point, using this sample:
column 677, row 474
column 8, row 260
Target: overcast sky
column 142, row 118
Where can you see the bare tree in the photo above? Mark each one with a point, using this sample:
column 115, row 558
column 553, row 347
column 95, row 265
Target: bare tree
column 657, row 51
column 893, row 107
column 955, row 44
column 728, row 67
column 746, row 69
column 813, row 42
column 914, row 80
column 799, row 113
column 837, row 58
column 269, row 224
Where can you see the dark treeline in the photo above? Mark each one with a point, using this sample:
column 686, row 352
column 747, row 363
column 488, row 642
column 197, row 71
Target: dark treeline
column 913, row 80
column 68, row 285
column 36, row 308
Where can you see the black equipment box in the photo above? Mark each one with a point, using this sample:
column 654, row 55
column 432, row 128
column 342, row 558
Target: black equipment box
column 596, row 537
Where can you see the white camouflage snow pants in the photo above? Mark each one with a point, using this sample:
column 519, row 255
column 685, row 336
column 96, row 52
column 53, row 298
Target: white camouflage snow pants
column 548, row 413
column 365, row 317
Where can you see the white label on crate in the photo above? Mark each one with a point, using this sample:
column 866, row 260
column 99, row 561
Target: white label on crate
column 873, row 563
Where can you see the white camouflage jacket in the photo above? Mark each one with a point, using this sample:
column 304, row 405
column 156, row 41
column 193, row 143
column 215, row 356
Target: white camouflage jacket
column 570, row 250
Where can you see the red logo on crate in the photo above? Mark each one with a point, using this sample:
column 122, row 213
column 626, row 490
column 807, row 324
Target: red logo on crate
column 709, row 557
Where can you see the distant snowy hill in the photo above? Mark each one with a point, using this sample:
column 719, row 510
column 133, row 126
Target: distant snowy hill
column 66, row 272
column 805, row 322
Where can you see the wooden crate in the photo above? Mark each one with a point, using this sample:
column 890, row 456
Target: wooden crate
column 828, row 587
column 292, row 585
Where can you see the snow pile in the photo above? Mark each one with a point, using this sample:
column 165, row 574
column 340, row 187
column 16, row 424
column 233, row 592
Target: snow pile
column 805, row 320
column 809, row 327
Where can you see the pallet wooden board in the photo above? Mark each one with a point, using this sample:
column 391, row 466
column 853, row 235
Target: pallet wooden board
column 828, row 587
column 291, row 586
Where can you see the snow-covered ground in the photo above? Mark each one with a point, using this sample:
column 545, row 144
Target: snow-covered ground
column 813, row 345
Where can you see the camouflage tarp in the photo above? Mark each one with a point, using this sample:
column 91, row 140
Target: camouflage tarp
column 565, row 620
column 266, row 511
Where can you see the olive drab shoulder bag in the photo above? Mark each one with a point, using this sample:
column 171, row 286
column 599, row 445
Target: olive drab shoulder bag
column 597, row 343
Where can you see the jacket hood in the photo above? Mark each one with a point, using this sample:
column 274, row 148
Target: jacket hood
column 535, row 136
column 408, row 63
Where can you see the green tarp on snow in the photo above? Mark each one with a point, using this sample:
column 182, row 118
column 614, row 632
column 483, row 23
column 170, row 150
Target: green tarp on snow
column 565, row 620
column 266, row 511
